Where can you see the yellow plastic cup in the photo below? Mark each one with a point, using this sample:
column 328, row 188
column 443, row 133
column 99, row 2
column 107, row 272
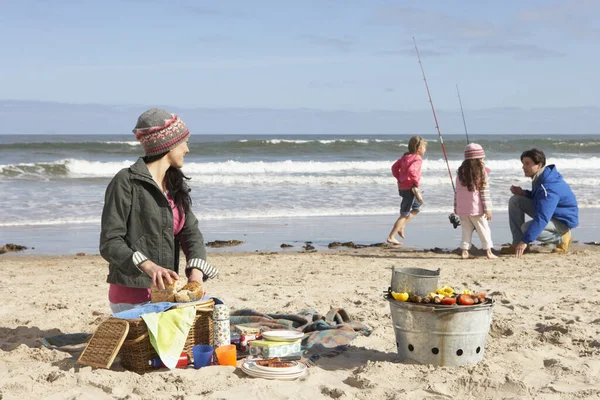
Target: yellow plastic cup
column 226, row 355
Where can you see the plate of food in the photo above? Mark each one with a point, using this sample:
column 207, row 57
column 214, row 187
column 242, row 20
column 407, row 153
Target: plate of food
column 276, row 365
column 282, row 336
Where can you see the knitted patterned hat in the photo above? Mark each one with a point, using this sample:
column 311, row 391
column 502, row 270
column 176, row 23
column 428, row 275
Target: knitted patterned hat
column 474, row 150
column 159, row 131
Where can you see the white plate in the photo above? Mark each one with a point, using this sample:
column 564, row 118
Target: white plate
column 251, row 369
column 287, row 370
column 278, row 377
column 282, row 336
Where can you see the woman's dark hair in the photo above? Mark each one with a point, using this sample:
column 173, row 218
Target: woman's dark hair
column 537, row 156
column 471, row 174
column 176, row 185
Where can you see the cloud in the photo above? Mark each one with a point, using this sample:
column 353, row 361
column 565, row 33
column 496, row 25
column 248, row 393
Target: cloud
column 412, row 52
column 232, row 63
column 518, row 50
column 340, row 44
column 577, row 18
column 432, row 23
column 214, row 38
column 189, row 7
column 450, row 34
column 331, row 85
column 210, row 11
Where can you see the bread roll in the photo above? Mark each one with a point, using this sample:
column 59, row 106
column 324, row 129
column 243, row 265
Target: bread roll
column 183, row 296
column 168, row 293
column 195, row 291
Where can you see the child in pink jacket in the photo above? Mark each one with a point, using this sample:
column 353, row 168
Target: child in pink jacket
column 407, row 171
column 472, row 201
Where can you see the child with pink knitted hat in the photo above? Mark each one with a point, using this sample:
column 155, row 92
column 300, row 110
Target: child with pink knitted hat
column 472, row 201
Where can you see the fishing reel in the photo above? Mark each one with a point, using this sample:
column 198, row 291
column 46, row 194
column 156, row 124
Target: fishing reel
column 454, row 220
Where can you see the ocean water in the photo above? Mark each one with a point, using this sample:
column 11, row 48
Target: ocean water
column 52, row 184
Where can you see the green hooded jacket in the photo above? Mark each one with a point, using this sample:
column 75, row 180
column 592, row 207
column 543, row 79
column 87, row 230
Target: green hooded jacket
column 138, row 217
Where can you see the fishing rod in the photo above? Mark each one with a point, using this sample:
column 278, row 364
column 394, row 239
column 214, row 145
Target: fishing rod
column 437, row 126
column 463, row 114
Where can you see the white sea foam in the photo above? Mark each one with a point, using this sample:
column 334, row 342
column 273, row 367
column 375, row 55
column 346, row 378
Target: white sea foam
column 278, row 141
column 308, row 180
column 84, row 168
column 576, row 170
column 130, row 143
column 234, row 167
column 250, row 214
column 323, row 141
column 52, row 221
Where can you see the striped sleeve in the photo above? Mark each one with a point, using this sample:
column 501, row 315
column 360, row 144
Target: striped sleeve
column 138, row 258
column 486, row 198
column 208, row 270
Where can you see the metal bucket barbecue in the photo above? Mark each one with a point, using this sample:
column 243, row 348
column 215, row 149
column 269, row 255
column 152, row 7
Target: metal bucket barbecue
column 417, row 281
column 441, row 335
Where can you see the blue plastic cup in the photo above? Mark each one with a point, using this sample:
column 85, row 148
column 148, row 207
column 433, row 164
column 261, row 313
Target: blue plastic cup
column 202, row 355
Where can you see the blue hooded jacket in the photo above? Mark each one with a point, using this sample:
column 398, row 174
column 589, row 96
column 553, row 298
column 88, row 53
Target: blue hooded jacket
column 552, row 198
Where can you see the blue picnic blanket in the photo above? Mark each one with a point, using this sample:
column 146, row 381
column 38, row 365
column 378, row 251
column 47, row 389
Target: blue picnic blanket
column 325, row 335
column 147, row 308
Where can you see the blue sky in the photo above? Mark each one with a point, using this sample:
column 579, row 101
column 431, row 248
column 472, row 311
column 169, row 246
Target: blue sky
column 326, row 55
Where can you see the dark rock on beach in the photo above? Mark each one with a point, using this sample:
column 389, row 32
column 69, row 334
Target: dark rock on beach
column 353, row 245
column 438, row 250
column 12, row 247
column 309, row 247
column 224, row 243
column 285, row 245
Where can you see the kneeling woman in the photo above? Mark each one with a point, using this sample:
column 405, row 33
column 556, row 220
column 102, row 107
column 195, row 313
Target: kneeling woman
column 147, row 216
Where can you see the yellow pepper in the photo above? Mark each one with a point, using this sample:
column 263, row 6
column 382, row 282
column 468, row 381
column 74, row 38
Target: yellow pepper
column 467, row 291
column 400, row 296
column 432, row 295
column 446, row 291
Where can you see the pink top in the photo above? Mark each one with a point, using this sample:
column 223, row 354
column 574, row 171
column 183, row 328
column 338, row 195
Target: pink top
column 407, row 170
column 473, row 203
column 178, row 218
column 129, row 295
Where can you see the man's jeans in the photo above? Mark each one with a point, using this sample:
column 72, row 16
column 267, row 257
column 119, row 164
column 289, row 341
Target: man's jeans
column 518, row 206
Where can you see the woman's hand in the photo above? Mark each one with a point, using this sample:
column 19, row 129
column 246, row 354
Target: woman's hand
column 488, row 215
column 158, row 274
column 195, row 275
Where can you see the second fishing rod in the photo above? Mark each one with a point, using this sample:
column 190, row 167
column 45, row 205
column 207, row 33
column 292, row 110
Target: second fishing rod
column 452, row 217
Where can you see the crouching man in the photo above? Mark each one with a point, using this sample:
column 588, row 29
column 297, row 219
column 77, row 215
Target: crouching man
column 550, row 203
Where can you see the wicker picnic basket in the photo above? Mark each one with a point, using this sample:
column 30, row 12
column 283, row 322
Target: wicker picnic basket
column 136, row 351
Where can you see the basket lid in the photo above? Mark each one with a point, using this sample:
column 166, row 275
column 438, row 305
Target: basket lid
column 104, row 346
column 201, row 305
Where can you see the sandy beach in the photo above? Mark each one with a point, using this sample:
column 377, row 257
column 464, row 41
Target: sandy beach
column 544, row 341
